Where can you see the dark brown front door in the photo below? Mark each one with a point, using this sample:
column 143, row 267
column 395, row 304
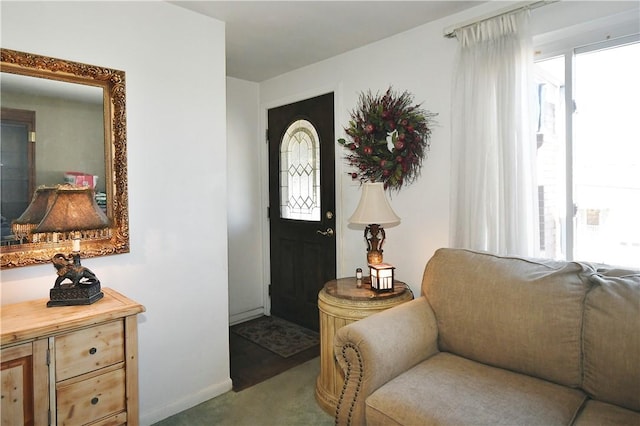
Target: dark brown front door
column 302, row 207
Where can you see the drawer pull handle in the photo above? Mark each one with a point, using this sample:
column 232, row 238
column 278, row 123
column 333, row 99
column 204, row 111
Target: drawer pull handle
column 92, row 351
column 94, row 400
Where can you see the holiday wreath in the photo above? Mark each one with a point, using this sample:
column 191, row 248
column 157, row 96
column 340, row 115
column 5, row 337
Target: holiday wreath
column 389, row 136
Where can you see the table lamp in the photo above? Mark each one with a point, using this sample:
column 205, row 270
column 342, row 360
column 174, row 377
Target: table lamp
column 75, row 214
column 374, row 211
column 29, row 220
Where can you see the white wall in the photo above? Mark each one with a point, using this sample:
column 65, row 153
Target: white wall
column 176, row 128
column 246, row 211
column 420, row 61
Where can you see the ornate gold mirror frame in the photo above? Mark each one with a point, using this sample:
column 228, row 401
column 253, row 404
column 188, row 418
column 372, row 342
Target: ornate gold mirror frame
column 115, row 129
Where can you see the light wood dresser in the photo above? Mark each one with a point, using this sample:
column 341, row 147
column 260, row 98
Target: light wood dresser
column 70, row 365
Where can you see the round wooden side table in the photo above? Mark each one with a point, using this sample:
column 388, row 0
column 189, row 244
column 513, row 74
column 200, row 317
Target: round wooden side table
column 341, row 302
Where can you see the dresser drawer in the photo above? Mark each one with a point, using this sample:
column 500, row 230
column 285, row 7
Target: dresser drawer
column 89, row 349
column 91, row 399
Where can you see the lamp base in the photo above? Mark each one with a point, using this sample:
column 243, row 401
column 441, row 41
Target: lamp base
column 374, row 257
column 81, row 294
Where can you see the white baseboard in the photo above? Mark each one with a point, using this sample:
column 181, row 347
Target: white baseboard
column 185, row 403
column 246, row 316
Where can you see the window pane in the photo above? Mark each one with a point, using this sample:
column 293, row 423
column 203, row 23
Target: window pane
column 300, row 172
column 551, row 156
column 607, row 156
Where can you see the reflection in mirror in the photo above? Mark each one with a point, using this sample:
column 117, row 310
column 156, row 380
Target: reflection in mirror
column 68, row 137
column 61, row 122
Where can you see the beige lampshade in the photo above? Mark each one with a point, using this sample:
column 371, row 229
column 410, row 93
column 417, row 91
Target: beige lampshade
column 374, row 208
column 73, row 209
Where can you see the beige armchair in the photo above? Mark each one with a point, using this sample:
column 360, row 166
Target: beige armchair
column 498, row 340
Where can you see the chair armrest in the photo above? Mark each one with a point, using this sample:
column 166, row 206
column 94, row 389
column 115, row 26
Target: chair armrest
column 376, row 349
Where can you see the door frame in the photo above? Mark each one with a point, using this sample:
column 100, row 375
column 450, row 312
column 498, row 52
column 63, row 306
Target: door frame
column 25, row 118
column 264, row 180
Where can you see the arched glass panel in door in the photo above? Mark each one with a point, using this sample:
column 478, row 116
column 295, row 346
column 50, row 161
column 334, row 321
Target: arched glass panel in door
column 300, row 172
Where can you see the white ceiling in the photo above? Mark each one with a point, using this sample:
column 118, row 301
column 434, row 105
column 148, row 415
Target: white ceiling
column 267, row 38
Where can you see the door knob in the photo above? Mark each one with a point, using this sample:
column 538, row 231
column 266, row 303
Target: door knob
column 327, row 233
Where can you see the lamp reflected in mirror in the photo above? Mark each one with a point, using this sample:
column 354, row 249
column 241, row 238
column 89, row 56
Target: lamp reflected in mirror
column 24, row 226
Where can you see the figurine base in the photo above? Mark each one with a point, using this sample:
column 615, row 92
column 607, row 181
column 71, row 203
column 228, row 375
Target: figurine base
column 82, row 294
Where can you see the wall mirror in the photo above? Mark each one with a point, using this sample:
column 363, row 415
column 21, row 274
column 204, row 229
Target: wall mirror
column 61, row 120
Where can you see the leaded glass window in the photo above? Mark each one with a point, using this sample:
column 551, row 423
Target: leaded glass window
column 300, row 172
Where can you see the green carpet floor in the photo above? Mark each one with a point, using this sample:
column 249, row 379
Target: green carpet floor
column 286, row 399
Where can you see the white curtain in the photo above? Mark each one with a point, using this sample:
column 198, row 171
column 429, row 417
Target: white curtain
column 494, row 198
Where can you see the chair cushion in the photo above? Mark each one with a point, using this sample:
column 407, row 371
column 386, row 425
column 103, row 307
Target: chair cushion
column 601, row 413
column 450, row 390
column 611, row 339
column 520, row 314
